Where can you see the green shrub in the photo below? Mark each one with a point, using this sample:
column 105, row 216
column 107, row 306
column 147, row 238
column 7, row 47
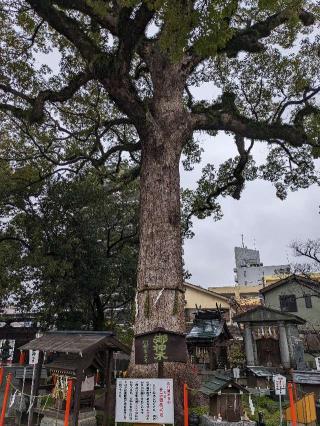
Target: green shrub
column 266, row 405
column 200, row 410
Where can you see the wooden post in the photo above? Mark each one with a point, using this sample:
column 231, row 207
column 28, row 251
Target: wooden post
column 35, row 386
column 160, row 370
column 21, row 396
column 76, row 398
column 5, row 399
column 211, row 354
column 292, row 406
column 1, row 375
column 68, row 403
column 185, row 405
column 107, row 385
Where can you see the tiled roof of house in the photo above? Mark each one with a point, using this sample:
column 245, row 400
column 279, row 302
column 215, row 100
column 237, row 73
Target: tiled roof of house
column 292, row 278
column 204, row 290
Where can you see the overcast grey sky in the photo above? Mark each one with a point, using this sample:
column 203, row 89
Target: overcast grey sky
column 259, row 215
column 263, row 219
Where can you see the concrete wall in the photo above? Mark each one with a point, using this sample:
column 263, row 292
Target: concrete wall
column 249, row 269
column 238, row 291
column 255, row 274
column 197, row 297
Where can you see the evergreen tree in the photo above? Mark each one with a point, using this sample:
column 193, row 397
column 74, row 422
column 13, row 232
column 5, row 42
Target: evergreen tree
column 123, row 91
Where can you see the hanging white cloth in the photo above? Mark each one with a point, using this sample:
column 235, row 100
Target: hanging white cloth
column 252, row 409
column 13, row 398
column 87, row 384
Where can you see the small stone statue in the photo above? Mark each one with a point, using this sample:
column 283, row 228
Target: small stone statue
column 261, row 419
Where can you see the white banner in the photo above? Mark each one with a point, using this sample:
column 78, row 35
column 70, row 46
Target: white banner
column 280, row 384
column 33, row 357
column 317, row 359
column 144, row 401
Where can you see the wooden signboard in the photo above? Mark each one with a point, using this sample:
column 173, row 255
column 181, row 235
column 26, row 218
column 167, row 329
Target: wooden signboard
column 160, row 346
column 147, row 401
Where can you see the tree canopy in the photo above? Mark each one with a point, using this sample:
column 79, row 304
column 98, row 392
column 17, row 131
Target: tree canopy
column 121, row 88
column 103, row 85
column 68, row 249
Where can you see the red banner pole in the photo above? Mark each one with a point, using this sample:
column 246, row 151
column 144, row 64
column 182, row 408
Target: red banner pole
column 68, row 403
column 22, row 358
column 5, row 399
column 185, row 405
column 292, row 406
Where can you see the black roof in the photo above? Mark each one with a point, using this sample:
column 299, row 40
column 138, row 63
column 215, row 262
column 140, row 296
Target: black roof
column 261, row 371
column 263, row 314
column 204, row 330
column 78, row 342
column 217, row 382
column 315, row 285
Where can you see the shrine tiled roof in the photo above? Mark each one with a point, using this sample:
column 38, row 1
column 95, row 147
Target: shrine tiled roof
column 217, row 382
column 264, row 314
column 208, row 330
column 261, row 371
column 77, row 342
column 306, row 377
column 208, row 325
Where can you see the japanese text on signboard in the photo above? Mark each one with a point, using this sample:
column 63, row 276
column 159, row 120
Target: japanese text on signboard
column 160, row 347
column 144, row 401
column 280, row 383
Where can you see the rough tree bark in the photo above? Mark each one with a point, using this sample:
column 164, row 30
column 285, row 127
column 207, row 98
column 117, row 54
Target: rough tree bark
column 160, row 290
column 160, row 257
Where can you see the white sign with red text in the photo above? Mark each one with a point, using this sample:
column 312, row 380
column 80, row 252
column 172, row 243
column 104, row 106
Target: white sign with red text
column 144, row 401
column 280, row 384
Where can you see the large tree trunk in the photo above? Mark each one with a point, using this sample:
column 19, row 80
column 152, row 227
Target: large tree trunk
column 160, row 290
column 160, row 276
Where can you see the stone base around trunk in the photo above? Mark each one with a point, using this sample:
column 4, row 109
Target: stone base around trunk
column 210, row 421
column 86, row 418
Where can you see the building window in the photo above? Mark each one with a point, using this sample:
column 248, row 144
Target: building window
column 288, row 303
column 308, row 301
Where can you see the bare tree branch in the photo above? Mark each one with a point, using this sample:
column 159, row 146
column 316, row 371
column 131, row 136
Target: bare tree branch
column 309, row 249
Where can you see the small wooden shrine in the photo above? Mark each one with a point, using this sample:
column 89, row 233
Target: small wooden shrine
column 76, row 355
column 272, row 338
column 225, row 398
column 208, row 340
column 260, row 377
column 13, row 333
